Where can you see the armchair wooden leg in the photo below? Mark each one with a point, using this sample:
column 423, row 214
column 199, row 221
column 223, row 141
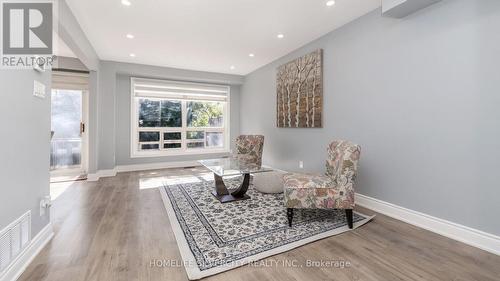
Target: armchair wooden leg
column 289, row 212
column 348, row 213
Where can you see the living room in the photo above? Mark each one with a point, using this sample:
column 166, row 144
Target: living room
column 245, row 140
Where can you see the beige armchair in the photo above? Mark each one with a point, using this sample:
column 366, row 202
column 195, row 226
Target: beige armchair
column 251, row 147
column 334, row 190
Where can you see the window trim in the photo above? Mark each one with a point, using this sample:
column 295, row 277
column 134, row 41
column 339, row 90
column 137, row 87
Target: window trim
column 135, row 152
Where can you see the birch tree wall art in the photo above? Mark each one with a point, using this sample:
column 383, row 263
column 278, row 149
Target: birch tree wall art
column 300, row 92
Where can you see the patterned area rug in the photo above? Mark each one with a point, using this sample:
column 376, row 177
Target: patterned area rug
column 214, row 237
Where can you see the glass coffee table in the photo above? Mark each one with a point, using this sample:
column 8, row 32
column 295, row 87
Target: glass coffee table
column 232, row 166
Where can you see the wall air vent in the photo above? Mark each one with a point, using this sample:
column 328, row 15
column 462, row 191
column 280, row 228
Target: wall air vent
column 13, row 240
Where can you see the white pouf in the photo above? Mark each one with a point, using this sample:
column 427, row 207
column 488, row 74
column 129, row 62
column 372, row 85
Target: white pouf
column 268, row 182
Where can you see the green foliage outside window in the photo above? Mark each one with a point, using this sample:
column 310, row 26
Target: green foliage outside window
column 204, row 114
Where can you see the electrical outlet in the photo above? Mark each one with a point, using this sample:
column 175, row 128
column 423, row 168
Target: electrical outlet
column 301, row 164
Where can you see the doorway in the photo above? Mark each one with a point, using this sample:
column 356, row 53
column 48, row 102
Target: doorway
column 68, row 152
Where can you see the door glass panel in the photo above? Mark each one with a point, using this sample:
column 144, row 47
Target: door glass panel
column 66, row 142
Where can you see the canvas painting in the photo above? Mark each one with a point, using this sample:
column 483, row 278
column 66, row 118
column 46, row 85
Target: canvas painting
column 300, row 92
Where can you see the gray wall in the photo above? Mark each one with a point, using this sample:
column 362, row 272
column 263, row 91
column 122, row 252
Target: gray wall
column 92, row 127
column 420, row 95
column 25, row 147
column 25, row 122
column 106, row 117
column 114, row 108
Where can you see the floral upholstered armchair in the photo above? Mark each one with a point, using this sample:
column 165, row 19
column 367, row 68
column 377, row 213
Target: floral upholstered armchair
column 334, row 190
column 250, row 147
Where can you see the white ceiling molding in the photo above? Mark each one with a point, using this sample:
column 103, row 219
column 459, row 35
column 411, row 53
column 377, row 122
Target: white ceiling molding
column 403, row 8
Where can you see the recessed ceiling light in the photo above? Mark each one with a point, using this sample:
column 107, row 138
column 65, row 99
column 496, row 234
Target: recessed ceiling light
column 126, row 2
column 251, row 55
column 232, row 67
column 280, row 36
column 132, row 55
column 130, row 36
column 330, row 3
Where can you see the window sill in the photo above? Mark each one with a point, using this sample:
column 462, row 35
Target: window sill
column 152, row 154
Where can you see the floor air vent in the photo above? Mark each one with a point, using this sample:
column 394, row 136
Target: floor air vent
column 13, row 240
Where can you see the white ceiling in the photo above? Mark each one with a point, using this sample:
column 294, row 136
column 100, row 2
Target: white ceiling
column 209, row 35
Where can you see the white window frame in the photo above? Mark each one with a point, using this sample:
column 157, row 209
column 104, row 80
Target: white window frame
column 135, row 151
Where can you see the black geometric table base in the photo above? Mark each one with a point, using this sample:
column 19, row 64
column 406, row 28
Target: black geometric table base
column 222, row 193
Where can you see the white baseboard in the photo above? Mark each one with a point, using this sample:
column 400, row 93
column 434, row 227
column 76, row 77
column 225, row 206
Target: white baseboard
column 28, row 254
column 140, row 167
column 464, row 234
column 156, row 166
column 101, row 174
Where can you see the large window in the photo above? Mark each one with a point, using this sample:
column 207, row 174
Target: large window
column 175, row 118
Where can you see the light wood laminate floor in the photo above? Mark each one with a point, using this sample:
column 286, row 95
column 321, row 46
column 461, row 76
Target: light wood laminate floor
column 112, row 230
